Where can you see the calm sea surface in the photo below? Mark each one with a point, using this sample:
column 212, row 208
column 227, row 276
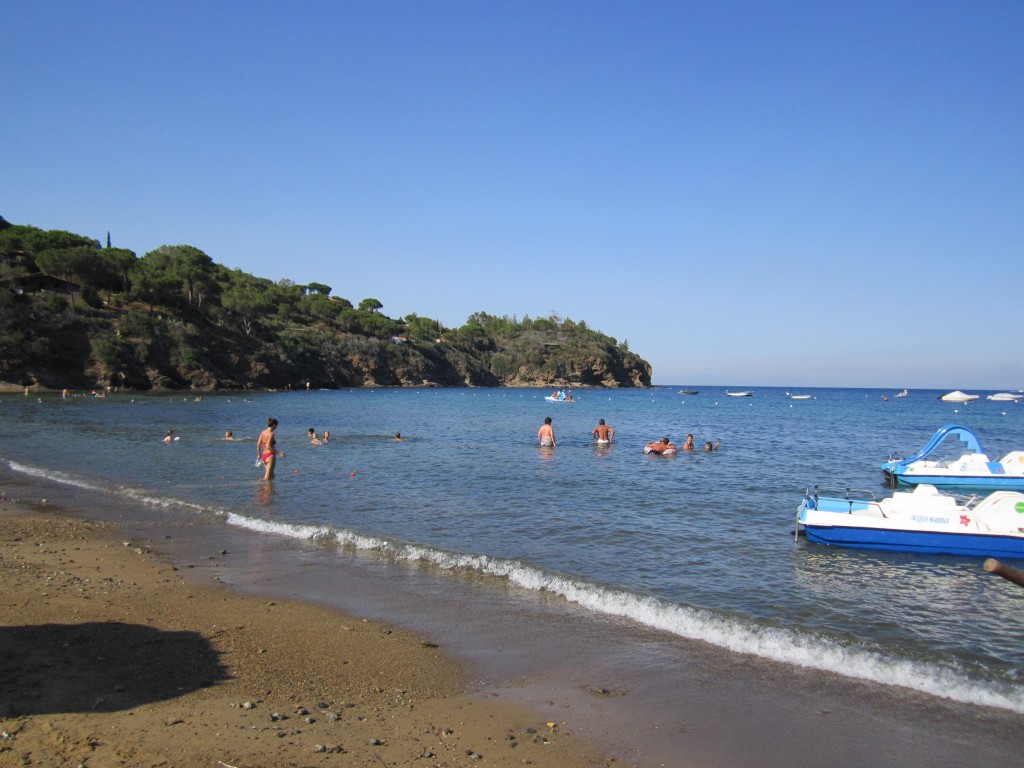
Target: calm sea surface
column 700, row 545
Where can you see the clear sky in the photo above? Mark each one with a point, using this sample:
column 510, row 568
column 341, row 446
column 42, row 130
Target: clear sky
column 749, row 193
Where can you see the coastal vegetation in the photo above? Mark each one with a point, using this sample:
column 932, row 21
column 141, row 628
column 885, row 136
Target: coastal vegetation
column 74, row 313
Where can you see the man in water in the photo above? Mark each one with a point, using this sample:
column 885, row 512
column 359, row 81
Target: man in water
column 546, row 434
column 688, row 445
column 662, row 447
column 603, row 433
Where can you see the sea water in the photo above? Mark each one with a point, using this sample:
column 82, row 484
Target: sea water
column 699, row 546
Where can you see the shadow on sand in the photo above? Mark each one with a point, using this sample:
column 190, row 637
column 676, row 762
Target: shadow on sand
column 99, row 667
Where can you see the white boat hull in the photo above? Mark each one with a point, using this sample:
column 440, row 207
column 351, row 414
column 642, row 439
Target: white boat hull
column 923, row 521
column 958, row 397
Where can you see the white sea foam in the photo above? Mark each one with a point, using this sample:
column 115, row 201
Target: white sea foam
column 780, row 645
column 53, row 475
column 303, row 532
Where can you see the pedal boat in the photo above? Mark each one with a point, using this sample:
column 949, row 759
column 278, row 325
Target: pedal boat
column 972, row 470
column 924, row 521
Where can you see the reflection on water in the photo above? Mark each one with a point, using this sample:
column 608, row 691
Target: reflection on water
column 265, row 493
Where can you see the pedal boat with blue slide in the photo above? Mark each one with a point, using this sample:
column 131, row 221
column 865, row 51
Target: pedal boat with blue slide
column 924, row 521
column 972, row 469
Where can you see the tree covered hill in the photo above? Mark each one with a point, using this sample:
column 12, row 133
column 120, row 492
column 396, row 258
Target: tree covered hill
column 75, row 314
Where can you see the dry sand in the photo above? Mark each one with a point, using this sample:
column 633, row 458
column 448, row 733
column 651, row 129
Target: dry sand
column 110, row 656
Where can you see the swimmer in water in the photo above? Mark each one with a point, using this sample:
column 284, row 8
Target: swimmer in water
column 602, row 433
column 660, row 447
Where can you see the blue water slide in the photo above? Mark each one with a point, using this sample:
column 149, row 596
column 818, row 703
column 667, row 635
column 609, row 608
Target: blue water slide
column 965, row 435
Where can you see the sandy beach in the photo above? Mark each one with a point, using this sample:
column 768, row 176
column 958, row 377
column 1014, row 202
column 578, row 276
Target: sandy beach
column 112, row 656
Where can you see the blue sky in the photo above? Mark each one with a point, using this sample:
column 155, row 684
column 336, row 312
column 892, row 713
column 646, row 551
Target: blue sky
column 790, row 193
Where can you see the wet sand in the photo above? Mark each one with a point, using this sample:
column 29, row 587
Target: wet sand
column 112, row 657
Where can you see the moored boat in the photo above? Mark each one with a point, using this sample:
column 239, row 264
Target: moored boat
column 957, row 397
column 739, row 394
column 973, row 468
column 924, row 520
column 1005, row 397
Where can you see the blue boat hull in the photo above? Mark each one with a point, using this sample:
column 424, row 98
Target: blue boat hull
column 990, row 483
column 921, row 542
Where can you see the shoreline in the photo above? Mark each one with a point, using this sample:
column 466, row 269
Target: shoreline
column 618, row 694
column 8, row 388
column 113, row 655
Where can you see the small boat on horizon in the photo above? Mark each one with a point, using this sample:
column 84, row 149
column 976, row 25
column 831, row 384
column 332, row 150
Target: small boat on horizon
column 1005, row 397
column 923, row 521
column 957, row 397
column 689, row 392
column 739, row 394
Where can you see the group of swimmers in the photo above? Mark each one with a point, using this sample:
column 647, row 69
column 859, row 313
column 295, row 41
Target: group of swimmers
column 267, row 453
column 603, row 435
column 664, row 447
column 313, row 439
column 266, row 450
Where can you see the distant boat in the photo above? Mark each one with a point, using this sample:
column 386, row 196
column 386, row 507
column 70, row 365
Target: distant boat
column 799, row 397
column 689, row 391
column 904, row 393
column 1005, row 397
column 958, row 397
column 738, row 394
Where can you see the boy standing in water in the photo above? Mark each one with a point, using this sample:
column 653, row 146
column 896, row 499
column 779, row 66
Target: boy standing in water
column 546, row 434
